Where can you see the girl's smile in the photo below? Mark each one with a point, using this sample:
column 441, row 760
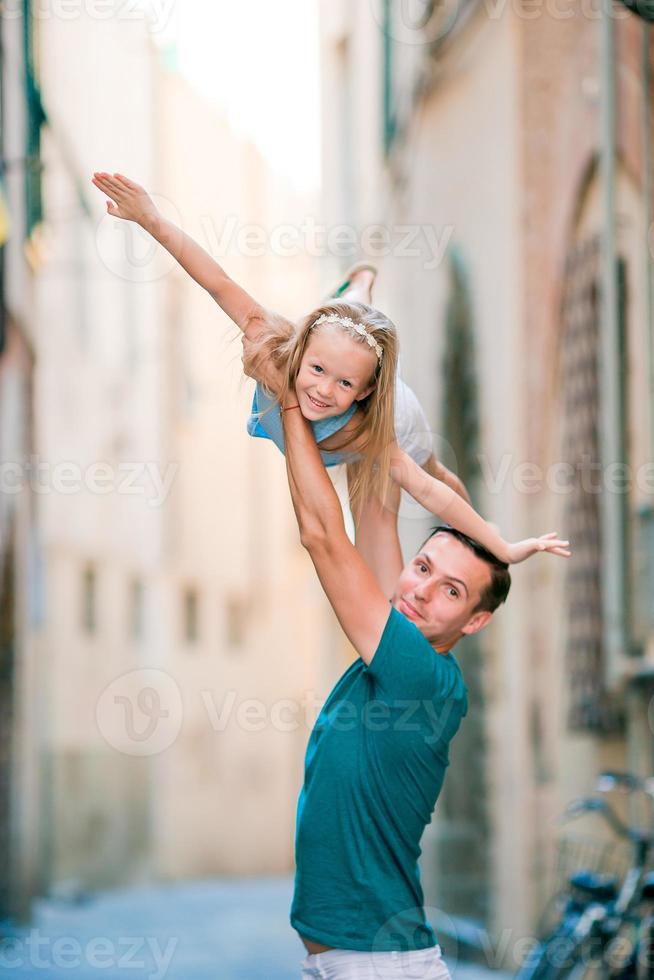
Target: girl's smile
column 318, row 405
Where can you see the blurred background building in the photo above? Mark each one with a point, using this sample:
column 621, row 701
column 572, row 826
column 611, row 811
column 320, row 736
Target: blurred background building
column 495, row 159
column 141, row 529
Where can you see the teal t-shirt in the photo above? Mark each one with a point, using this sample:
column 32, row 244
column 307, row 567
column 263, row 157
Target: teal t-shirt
column 374, row 767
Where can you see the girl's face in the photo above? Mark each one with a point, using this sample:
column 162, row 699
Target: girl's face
column 335, row 371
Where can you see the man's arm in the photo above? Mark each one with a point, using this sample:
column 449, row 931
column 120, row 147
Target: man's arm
column 378, row 541
column 353, row 591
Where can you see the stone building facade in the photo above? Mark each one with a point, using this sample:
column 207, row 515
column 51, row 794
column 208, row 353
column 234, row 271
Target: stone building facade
column 504, row 150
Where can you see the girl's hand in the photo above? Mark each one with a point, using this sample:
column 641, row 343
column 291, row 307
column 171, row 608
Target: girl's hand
column 530, row 546
column 128, row 200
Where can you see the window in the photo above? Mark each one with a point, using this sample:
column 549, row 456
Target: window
column 89, row 600
column 463, row 875
column 136, row 610
column 191, row 616
column 236, row 616
column 592, row 707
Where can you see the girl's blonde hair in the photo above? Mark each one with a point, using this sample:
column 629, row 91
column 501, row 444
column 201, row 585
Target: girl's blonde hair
column 283, row 344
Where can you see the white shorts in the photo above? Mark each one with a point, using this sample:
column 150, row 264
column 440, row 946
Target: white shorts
column 349, row 964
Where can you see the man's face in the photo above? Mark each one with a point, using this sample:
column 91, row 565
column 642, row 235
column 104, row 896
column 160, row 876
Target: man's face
column 440, row 588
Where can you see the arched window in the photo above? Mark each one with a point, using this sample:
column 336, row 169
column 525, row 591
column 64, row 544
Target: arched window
column 463, row 876
column 590, row 706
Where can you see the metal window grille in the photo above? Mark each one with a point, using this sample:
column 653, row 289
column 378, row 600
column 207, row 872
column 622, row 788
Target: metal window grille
column 591, row 707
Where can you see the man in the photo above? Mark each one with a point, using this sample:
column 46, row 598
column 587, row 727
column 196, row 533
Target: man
column 377, row 755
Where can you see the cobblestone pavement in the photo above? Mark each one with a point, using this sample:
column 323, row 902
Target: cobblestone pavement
column 217, row 929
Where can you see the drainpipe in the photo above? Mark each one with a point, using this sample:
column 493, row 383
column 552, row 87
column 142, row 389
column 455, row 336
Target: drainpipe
column 3, row 323
column 611, row 504
column 646, row 79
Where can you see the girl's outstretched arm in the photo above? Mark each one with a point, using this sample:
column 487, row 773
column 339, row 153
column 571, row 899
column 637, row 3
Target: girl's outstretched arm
column 440, row 472
column 132, row 202
column 442, row 500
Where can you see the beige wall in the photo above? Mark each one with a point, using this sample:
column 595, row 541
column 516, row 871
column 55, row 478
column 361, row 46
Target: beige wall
column 225, row 799
column 98, row 396
column 136, row 366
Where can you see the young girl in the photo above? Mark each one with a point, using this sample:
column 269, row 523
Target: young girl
column 341, row 363
column 412, row 430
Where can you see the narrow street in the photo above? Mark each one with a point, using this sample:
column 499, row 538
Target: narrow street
column 200, row 930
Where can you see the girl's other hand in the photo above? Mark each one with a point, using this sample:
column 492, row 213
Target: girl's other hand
column 530, row 546
column 128, row 199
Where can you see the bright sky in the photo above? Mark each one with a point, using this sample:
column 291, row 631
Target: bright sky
column 259, row 59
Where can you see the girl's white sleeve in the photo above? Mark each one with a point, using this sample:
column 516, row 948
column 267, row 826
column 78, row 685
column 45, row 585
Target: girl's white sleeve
column 411, row 427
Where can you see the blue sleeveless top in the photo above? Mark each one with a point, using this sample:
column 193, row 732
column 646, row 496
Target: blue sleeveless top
column 265, row 421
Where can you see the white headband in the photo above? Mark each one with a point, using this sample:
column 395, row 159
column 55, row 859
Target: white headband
column 349, row 324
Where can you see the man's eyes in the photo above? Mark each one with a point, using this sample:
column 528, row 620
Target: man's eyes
column 450, row 589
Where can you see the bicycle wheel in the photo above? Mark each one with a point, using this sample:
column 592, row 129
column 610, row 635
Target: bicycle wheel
column 644, row 958
column 564, row 955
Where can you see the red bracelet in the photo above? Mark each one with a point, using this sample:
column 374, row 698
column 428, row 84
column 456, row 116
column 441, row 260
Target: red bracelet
column 289, row 407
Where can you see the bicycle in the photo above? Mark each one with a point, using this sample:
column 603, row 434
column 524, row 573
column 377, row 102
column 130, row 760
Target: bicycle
column 607, row 926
